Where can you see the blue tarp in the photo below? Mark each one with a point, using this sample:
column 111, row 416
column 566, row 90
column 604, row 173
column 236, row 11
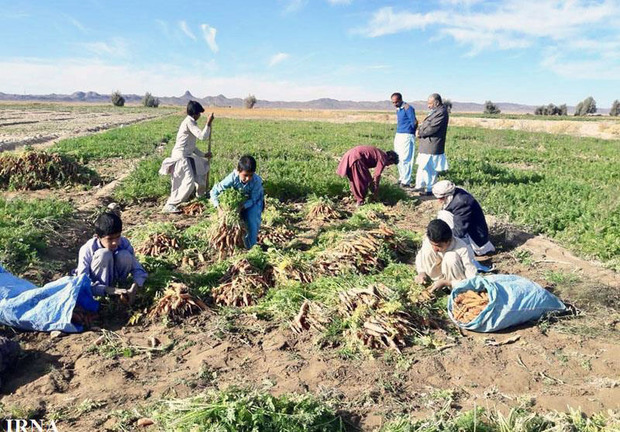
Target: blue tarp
column 27, row 307
column 513, row 300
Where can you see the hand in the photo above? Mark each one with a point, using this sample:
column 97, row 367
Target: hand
column 208, row 155
column 421, row 278
column 210, row 119
column 220, row 211
column 132, row 292
column 441, row 283
column 114, row 291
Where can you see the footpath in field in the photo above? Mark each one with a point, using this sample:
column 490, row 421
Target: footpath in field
column 315, row 246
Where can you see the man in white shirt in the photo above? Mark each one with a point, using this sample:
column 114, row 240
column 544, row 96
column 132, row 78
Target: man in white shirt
column 443, row 258
column 187, row 164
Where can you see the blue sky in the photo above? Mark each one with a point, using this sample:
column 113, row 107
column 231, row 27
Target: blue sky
column 528, row 51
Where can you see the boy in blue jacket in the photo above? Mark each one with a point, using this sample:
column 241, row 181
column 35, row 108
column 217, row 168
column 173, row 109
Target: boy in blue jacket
column 244, row 178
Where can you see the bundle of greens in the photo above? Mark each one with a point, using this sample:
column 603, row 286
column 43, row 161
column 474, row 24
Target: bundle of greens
column 227, row 232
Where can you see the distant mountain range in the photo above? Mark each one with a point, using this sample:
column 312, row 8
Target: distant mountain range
column 223, row 101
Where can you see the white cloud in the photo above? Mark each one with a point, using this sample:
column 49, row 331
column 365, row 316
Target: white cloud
column 185, row 29
column 69, row 75
column 77, row 24
column 339, row 2
column 164, row 27
column 573, row 27
column 528, row 18
column 277, row 58
column 209, row 35
column 116, row 47
column 292, row 6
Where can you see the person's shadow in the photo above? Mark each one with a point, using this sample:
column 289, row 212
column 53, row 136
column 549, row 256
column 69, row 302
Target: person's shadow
column 30, row 366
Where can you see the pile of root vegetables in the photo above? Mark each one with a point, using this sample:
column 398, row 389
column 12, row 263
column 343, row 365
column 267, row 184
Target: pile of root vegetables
column 375, row 320
column 278, row 236
column 195, row 208
column 176, row 303
column 242, row 285
column 33, row 170
column 227, row 232
column 158, row 244
column 360, row 250
column 322, row 209
column 468, row 305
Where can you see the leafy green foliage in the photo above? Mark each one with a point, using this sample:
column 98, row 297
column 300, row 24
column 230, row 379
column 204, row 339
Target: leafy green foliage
column 25, row 226
column 238, row 410
column 126, row 142
column 518, row 420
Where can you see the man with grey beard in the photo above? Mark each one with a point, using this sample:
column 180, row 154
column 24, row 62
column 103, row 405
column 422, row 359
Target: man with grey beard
column 431, row 153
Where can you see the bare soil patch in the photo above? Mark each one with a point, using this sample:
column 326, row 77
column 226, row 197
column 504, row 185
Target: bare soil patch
column 568, row 363
column 40, row 126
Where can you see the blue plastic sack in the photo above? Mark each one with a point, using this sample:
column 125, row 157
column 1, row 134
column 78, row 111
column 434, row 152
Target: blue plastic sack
column 513, row 300
column 27, row 307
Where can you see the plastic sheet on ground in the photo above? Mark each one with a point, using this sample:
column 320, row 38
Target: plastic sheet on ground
column 28, row 307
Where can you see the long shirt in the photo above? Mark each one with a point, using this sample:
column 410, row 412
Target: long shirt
column 253, row 189
column 369, row 156
column 185, row 145
column 468, row 217
column 85, row 258
column 456, row 245
column 405, row 119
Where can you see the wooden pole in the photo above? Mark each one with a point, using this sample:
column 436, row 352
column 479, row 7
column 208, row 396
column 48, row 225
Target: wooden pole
column 209, row 158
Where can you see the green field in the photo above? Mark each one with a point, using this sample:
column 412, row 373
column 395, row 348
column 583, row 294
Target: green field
column 562, row 186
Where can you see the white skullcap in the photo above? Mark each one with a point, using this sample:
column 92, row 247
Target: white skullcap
column 443, row 188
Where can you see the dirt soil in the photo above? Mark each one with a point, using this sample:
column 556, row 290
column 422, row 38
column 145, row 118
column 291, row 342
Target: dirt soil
column 574, row 362
column 552, row 365
column 39, row 126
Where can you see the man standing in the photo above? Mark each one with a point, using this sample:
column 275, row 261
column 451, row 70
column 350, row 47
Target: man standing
column 431, row 156
column 356, row 164
column 404, row 140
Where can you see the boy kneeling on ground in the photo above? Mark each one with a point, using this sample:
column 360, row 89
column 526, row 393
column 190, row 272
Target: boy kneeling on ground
column 108, row 258
column 245, row 179
column 443, row 258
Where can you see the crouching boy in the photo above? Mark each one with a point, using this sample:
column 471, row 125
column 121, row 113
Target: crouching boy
column 108, row 258
column 244, row 178
column 443, row 258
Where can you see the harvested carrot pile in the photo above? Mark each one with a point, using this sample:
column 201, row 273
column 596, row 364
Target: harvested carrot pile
column 278, row 236
column 310, row 316
column 468, row 305
column 83, row 317
column 39, row 170
column 323, row 209
column 360, row 250
column 374, row 320
column 293, row 268
column 242, row 285
column 227, row 233
column 176, row 303
column 382, row 325
column 193, row 209
column 158, row 244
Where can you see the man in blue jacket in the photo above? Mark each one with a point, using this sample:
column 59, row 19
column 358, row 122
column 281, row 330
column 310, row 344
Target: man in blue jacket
column 404, row 140
column 463, row 214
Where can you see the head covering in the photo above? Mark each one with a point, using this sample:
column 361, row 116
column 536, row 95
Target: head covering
column 443, row 189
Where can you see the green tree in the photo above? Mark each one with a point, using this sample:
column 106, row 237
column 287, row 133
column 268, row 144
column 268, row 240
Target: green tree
column 491, row 108
column 117, row 99
column 587, row 106
column 448, row 104
column 150, row 101
column 249, row 101
column 615, row 108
